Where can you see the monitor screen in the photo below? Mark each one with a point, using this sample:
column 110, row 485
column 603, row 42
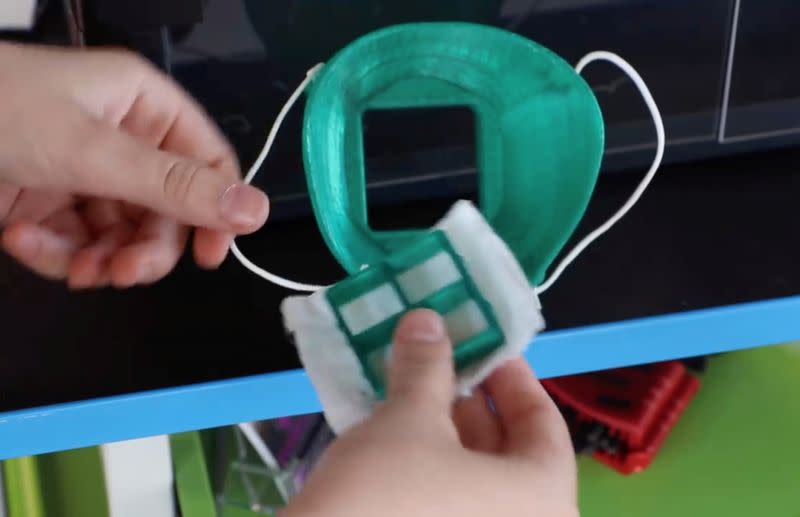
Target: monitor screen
column 704, row 66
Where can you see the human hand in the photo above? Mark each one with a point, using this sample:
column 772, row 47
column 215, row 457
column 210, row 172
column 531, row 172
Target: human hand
column 420, row 455
column 105, row 163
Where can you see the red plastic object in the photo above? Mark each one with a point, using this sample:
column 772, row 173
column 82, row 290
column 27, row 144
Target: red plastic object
column 629, row 411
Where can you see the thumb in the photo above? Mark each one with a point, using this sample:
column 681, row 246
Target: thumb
column 421, row 369
column 118, row 166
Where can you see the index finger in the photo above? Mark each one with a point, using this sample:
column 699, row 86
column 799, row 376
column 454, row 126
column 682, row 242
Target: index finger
column 190, row 132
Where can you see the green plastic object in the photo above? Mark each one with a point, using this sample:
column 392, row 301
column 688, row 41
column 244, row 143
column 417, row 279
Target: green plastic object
column 73, row 483
column 63, row 483
column 426, row 274
column 217, row 473
column 192, row 482
column 23, row 487
column 539, row 134
column 249, row 485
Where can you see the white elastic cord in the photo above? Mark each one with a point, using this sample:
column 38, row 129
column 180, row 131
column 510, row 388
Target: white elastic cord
column 273, row 132
column 602, row 55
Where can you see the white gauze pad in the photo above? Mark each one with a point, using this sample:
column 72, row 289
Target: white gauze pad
column 345, row 392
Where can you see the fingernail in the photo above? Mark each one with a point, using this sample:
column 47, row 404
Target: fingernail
column 422, row 326
column 244, row 207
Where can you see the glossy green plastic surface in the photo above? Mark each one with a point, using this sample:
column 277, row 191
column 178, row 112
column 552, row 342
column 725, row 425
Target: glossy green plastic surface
column 539, row 134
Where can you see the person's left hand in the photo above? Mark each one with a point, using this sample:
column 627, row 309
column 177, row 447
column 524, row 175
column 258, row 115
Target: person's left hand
column 503, row 451
column 105, row 164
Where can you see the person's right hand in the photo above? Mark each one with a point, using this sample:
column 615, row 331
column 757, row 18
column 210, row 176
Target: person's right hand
column 105, row 166
column 418, row 455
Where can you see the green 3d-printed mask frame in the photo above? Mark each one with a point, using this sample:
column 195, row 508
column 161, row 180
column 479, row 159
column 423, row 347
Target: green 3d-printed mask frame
column 539, row 134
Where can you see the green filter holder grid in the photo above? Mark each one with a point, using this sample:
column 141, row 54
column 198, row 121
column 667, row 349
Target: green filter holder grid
column 539, row 134
column 400, row 283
